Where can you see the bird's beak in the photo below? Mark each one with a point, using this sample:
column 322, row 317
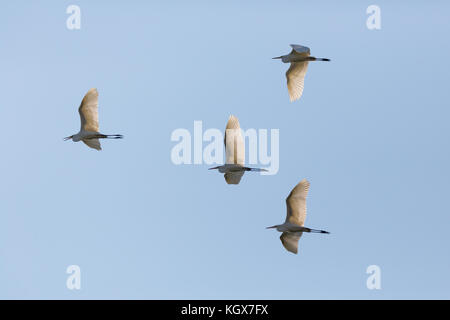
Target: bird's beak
column 271, row 227
column 213, row 168
column 277, row 57
column 68, row 138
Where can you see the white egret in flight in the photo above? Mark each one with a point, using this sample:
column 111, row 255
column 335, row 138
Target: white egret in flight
column 293, row 227
column 89, row 122
column 298, row 58
column 234, row 167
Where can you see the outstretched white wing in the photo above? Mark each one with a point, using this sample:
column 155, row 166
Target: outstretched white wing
column 93, row 143
column 233, row 177
column 234, row 142
column 290, row 240
column 89, row 111
column 298, row 49
column 296, row 203
column 296, row 79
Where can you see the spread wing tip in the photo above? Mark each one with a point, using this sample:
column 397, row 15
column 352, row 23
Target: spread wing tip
column 233, row 123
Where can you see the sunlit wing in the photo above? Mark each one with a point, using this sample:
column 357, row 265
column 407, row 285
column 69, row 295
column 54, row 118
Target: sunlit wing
column 290, row 240
column 93, row 143
column 234, row 142
column 296, row 79
column 301, row 50
column 233, row 177
column 296, row 203
column 89, row 111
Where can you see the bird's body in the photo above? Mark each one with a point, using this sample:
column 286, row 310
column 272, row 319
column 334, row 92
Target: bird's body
column 234, row 172
column 234, row 168
column 289, row 227
column 88, row 111
column 229, row 168
column 298, row 58
column 82, row 135
column 293, row 227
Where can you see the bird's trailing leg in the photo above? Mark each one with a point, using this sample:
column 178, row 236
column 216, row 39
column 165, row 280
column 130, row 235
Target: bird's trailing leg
column 314, row 230
column 107, row 136
column 255, row 169
column 318, row 59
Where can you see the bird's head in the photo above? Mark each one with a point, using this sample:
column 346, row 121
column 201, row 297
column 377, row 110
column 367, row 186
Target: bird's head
column 68, row 138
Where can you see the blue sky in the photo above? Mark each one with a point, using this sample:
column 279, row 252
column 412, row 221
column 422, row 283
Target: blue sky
column 370, row 133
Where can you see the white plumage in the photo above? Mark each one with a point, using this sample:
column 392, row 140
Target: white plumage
column 295, row 75
column 89, row 130
column 234, row 168
column 293, row 227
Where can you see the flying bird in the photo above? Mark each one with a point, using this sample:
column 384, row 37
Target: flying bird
column 293, row 227
column 234, row 168
column 298, row 58
column 89, row 122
